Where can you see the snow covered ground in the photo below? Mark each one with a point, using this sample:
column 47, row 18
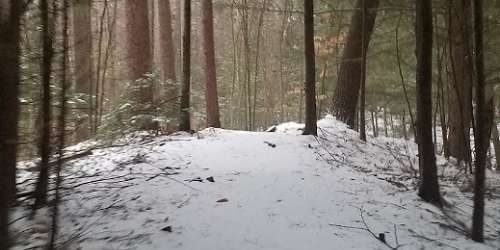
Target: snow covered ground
column 221, row 189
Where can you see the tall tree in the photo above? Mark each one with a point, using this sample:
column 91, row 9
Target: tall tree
column 168, row 58
column 484, row 115
column 345, row 98
column 82, row 32
column 61, row 125
column 460, row 95
column 47, row 37
column 362, row 101
column 429, row 186
column 166, row 40
column 185, row 119
column 139, row 56
column 310, row 67
column 10, row 15
column 212, row 103
column 496, row 142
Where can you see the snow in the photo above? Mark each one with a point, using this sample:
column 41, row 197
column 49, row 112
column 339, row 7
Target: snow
column 282, row 191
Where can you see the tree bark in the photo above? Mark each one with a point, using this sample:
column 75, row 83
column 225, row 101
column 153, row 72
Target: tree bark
column 82, row 32
column 310, row 64
column 496, row 142
column 168, row 55
column 9, row 109
column 138, row 49
column 484, row 113
column 429, row 186
column 211, row 97
column 166, row 40
column 185, row 119
column 61, row 127
column 46, row 109
column 347, row 91
column 460, row 96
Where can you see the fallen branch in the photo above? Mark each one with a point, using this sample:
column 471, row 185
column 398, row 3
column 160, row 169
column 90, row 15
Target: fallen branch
column 380, row 237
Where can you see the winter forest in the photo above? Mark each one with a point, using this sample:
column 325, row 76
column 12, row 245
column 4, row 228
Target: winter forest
column 249, row 124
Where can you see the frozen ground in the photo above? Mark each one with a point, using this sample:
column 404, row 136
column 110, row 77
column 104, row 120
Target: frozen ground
column 275, row 190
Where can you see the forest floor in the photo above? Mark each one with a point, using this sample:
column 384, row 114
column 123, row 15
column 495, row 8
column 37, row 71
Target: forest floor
column 221, row 189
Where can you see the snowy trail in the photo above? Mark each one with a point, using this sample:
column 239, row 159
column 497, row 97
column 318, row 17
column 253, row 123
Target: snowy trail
column 283, row 191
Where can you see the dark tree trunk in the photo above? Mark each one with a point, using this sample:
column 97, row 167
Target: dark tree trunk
column 346, row 93
column 310, row 83
column 185, row 123
column 362, row 101
column 429, row 186
column 82, row 32
column 460, row 96
column 441, row 104
column 46, row 109
column 61, row 126
column 403, row 125
column 212, row 102
column 484, row 114
column 9, row 110
column 386, row 133
column 374, row 123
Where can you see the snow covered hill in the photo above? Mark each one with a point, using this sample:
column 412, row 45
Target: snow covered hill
column 222, row 189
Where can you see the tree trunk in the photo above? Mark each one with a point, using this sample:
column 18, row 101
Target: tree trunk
column 441, row 103
column 82, row 32
column 346, row 93
column 46, row 109
column 496, row 143
column 168, row 56
column 211, row 97
column 386, row 133
column 185, row 122
column 310, row 83
column 460, row 96
column 484, row 114
column 9, row 109
column 61, row 127
column 403, row 125
column 139, row 54
column 374, row 124
column 429, row 186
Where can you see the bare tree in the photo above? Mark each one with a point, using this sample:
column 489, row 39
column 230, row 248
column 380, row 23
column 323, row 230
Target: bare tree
column 61, row 129
column 345, row 98
column 460, row 95
column 484, row 114
column 429, row 186
column 47, row 37
column 310, row 66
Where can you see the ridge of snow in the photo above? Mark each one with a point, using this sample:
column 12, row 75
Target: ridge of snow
column 281, row 190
